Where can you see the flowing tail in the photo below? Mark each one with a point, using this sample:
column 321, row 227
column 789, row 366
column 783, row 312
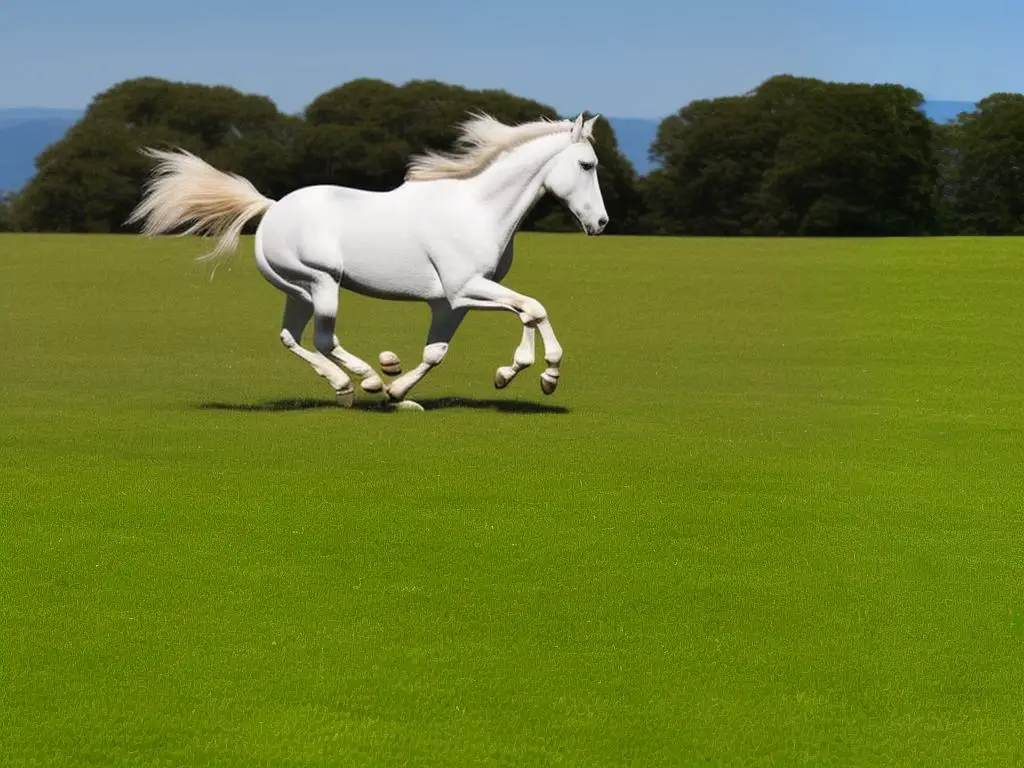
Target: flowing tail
column 183, row 188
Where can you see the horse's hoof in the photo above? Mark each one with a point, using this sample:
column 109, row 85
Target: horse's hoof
column 346, row 396
column 389, row 363
column 548, row 383
column 372, row 384
column 503, row 376
column 405, row 405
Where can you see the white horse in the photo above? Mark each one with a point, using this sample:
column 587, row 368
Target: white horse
column 444, row 236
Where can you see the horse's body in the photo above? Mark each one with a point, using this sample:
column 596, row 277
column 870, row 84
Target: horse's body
column 376, row 243
column 443, row 237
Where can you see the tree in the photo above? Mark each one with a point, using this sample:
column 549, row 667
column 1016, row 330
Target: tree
column 796, row 156
column 353, row 137
column 7, row 223
column 91, row 179
column 713, row 155
column 982, row 173
column 946, row 141
column 857, row 160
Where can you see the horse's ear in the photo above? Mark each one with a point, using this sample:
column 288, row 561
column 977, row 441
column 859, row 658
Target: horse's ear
column 588, row 127
column 577, row 129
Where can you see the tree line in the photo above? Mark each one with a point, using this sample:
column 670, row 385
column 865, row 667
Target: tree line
column 794, row 157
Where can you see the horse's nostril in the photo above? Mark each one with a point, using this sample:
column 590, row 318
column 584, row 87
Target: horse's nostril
column 602, row 221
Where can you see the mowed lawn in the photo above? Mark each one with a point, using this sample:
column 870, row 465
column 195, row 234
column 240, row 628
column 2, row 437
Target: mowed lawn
column 774, row 514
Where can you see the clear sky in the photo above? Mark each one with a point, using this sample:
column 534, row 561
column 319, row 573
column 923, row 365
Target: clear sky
column 631, row 58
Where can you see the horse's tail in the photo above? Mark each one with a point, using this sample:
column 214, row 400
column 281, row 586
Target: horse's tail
column 183, row 188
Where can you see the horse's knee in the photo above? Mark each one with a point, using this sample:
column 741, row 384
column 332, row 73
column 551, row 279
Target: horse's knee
column 433, row 354
column 532, row 312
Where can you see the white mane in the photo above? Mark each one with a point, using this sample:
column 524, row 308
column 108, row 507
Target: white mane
column 481, row 140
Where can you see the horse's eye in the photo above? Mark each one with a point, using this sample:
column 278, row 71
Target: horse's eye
column 586, row 166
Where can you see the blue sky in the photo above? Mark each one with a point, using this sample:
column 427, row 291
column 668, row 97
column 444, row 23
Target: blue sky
column 632, row 58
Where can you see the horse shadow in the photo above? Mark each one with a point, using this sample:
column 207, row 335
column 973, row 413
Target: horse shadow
column 429, row 404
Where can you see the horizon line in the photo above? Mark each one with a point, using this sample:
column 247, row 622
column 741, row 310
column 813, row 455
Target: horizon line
column 610, row 116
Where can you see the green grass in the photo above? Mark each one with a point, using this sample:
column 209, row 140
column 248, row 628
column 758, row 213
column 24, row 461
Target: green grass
column 773, row 515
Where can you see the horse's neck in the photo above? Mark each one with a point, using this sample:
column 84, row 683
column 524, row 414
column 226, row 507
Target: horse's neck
column 514, row 183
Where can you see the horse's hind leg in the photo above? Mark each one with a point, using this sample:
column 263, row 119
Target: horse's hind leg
column 324, row 290
column 297, row 283
column 297, row 312
column 370, row 381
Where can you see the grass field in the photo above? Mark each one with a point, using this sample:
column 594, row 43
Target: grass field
column 773, row 514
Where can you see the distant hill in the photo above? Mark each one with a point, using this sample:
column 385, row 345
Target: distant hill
column 635, row 135
column 25, row 132
column 25, row 114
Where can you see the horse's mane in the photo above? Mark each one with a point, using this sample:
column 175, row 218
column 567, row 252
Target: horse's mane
column 481, row 140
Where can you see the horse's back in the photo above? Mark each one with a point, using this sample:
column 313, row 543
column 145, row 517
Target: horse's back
column 315, row 214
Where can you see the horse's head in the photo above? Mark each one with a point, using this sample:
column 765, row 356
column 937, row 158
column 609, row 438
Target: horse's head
column 572, row 177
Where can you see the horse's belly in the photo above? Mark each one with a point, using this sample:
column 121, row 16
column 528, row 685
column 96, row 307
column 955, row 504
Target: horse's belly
column 389, row 274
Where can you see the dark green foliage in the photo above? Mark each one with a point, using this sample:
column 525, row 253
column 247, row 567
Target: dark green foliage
column 6, row 213
column 90, row 180
column 983, row 169
column 946, row 194
column 797, row 156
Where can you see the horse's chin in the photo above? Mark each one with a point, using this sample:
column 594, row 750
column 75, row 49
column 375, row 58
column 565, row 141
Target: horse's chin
column 586, row 230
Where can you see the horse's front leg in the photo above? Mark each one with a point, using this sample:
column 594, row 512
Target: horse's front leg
column 444, row 321
column 481, row 293
column 521, row 359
